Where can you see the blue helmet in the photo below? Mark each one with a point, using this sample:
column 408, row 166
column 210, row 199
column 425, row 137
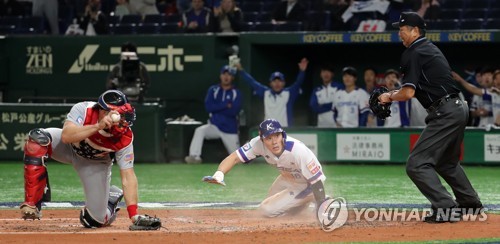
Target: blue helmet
column 269, row 127
column 111, row 99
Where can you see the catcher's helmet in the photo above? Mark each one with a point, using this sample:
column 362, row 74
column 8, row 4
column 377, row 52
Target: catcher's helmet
column 112, row 99
column 269, row 127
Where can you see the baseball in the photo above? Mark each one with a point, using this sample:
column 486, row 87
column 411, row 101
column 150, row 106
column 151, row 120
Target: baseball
column 115, row 117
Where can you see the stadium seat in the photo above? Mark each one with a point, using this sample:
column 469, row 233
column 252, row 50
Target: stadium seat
column 471, row 24
column 267, row 6
column 246, row 26
column 289, row 26
column 472, row 4
column 449, row 24
column 11, row 20
column 453, row 4
column 317, row 21
column 450, row 14
column 494, row 4
column 148, row 28
column 31, row 25
column 168, row 28
column 173, row 18
column 474, row 14
column 264, row 26
column 124, row 29
column 250, row 16
column 131, row 19
column 250, row 6
column 492, row 24
column 493, row 14
column 264, row 17
column 154, row 18
column 113, row 19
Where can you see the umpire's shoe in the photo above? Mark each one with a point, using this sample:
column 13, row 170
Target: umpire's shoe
column 30, row 212
column 443, row 215
column 115, row 196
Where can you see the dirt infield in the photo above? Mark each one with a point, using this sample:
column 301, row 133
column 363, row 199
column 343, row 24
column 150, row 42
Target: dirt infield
column 230, row 225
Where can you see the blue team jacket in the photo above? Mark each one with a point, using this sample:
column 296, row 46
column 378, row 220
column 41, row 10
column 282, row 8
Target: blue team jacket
column 216, row 104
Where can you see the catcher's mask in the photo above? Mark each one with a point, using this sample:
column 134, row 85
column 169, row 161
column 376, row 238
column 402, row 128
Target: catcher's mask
column 269, row 127
column 117, row 101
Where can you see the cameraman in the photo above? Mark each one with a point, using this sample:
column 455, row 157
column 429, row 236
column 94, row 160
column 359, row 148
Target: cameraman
column 129, row 75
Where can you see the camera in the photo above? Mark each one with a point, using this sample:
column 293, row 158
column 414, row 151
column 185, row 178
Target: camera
column 130, row 81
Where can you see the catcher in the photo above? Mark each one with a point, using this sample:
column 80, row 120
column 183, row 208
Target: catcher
column 95, row 135
column 301, row 176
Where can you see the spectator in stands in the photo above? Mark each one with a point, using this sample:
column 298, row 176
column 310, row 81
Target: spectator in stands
column 227, row 17
column 197, row 18
column 322, row 97
column 168, row 7
column 122, row 8
column 183, row 5
column 351, row 104
column 48, row 9
column 278, row 99
column 143, row 7
column 11, row 8
column 399, row 109
column 429, row 9
column 290, row 10
column 94, row 21
column 336, row 9
column 370, row 78
column 481, row 107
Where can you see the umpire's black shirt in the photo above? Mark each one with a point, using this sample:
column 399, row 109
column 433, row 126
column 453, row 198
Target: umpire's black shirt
column 425, row 68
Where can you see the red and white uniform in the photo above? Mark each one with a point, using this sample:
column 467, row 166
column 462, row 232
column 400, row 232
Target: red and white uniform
column 92, row 158
column 299, row 169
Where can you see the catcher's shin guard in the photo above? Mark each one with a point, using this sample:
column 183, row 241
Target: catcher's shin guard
column 88, row 221
column 36, row 178
column 115, row 196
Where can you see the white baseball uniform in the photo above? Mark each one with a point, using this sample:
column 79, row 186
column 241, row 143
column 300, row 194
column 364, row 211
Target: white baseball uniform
column 495, row 102
column 349, row 106
column 299, row 169
column 479, row 102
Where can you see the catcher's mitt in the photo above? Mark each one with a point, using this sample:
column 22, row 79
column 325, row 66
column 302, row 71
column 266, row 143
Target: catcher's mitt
column 382, row 111
column 145, row 222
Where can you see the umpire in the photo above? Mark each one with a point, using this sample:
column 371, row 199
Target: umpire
column 427, row 76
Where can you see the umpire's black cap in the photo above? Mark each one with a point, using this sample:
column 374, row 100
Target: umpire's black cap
column 410, row 19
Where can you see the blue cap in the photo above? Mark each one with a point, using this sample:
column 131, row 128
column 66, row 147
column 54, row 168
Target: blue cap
column 227, row 68
column 277, row 75
column 269, row 127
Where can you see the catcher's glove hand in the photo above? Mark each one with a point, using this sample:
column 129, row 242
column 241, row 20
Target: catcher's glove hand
column 382, row 111
column 145, row 222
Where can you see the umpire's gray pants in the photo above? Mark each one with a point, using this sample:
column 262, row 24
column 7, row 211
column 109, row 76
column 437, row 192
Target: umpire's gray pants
column 437, row 151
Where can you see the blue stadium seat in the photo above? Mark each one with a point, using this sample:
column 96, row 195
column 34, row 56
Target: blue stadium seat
column 264, row 26
column 318, row 20
column 267, row 6
column 450, row 14
column 471, row 24
column 31, row 25
column 11, row 20
column 124, row 29
column 289, row 26
column 131, row 19
column 264, row 17
column 250, row 6
column 474, row 14
column 493, row 14
column 113, row 19
column 471, row 4
column 247, row 26
column 492, row 24
column 445, row 24
column 148, row 28
column 250, row 16
column 453, row 4
column 168, row 28
column 173, row 18
column 494, row 4
column 7, row 29
column 154, row 18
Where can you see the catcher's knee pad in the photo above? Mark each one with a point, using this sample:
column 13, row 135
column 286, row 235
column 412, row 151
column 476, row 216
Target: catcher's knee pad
column 36, row 178
column 88, row 221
